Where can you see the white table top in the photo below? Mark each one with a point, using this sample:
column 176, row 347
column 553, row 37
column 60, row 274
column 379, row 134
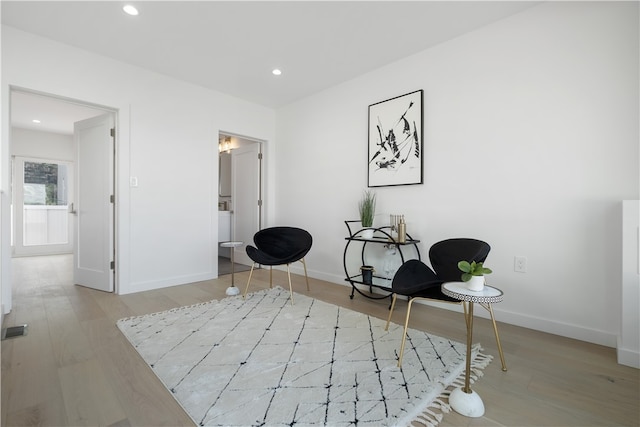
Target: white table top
column 459, row 290
column 231, row 244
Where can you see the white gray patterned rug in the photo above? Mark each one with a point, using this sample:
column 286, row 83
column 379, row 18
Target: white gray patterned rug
column 263, row 362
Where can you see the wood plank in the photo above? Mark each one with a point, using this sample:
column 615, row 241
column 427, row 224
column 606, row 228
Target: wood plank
column 88, row 397
column 142, row 395
column 68, row 342
column 30, row 379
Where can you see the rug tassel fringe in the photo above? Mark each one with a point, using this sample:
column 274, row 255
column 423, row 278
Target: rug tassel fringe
column 430, row 418
column 432, row 415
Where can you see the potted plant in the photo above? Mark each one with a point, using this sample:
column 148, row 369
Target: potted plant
column 367, row 209
column 473, row 274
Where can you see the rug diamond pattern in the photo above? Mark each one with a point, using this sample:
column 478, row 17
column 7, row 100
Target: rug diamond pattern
column 263, row 361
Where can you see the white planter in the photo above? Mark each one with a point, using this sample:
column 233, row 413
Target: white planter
column 367, row 233
column 476, row 283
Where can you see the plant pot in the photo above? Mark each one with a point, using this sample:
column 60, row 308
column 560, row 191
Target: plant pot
column 367, row 274
column 367, row 233
column 476, row 283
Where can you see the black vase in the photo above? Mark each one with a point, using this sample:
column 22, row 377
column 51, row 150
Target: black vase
column 367, row 274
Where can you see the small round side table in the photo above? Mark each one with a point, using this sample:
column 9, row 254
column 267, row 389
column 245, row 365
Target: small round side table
column 232, row 290
column 463, row 400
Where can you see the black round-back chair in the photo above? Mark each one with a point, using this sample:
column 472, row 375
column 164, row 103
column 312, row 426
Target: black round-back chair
column 279, row 246
column 415, row 280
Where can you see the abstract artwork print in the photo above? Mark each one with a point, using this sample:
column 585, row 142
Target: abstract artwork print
column 395, row 141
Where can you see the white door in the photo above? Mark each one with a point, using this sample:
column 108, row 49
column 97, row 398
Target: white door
column 42, row 223
column 93, row 204
column 245, row 197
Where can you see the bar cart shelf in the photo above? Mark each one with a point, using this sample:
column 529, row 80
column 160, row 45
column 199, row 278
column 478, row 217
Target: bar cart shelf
column 356, row 241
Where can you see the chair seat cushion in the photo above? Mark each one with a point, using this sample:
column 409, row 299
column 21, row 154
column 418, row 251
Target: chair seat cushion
column 414, row 276
column 434, row 292
column 415, row 279
column 263, row 258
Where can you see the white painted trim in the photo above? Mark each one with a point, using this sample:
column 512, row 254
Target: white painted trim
column 628, row 342
column 628, row 357
column 166, row 283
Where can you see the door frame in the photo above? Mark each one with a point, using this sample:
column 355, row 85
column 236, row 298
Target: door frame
column 6, row 287
column 261, row 187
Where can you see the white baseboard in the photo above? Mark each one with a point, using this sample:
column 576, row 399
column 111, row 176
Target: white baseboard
column 543, row 325
column 628, row 357
column 159, row 284
column 332, row 278
column 593, row 336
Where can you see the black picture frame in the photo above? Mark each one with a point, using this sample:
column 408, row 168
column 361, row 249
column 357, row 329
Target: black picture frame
column 395, row 155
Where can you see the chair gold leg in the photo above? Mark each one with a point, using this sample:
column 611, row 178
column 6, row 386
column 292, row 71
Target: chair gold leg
column 246, row 289
column 404, row 333
column 305, row 272
column 270, row 276
column 290, row 288
column 393, row 304
column 495, row 329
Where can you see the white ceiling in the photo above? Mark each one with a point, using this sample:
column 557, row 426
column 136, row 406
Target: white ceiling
column 55, row 115
column 232, row 46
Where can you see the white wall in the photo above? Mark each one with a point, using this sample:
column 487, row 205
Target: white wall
column 167, row 138
column 42, row 145
column 531, row 142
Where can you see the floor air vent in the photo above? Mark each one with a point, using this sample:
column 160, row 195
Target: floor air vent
column 14, row 331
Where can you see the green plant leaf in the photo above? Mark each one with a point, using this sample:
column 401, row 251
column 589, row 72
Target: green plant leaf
column 466, row 277
column 473, row 269
column 465, row 267
column 367, row 208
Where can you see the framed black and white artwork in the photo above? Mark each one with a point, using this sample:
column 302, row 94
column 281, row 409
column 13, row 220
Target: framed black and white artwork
column 395, row 141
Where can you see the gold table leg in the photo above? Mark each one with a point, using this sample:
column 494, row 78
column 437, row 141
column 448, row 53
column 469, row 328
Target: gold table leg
column 469, row 321
column 495, row 330
column 464, row 400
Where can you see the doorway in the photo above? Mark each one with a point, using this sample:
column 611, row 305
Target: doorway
column 240, row 199
column 45, row 149
column 43, row 189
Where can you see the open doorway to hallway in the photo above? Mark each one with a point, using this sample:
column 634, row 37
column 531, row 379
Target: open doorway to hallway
column 44, row 152
column 240, row 199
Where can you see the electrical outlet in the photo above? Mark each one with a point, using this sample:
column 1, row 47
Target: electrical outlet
column 520, row 264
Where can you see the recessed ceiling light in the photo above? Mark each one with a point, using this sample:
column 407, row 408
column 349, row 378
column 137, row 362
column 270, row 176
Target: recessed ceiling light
column 276, row 72
column 35, row 121
column 130, row 10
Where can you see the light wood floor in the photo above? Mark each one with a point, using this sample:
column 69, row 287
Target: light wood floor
column 74, row 368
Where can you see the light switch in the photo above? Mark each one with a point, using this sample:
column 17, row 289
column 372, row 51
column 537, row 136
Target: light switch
column 133, row 181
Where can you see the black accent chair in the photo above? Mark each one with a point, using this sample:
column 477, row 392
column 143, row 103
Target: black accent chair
column 417, row 281
column 279, row 246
